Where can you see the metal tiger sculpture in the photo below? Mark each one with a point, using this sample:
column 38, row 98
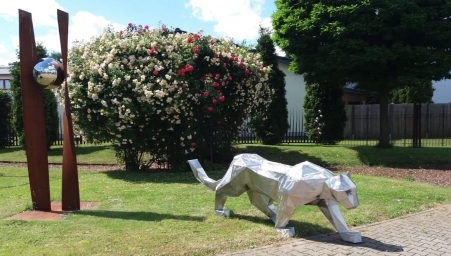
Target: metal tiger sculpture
column 290, row 186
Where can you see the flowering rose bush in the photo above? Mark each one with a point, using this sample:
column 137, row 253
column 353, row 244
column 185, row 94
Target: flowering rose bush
column 162, row 96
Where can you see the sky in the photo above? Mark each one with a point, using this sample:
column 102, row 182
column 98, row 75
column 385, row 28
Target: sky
column 237, row 19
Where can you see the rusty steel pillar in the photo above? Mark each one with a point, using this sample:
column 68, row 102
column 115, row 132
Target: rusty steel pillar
column 33, row 117
column 34, row 122
column 70, row 187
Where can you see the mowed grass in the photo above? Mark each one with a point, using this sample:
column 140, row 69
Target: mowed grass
column 172, row 214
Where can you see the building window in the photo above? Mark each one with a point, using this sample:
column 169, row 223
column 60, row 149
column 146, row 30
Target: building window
column 5, row 84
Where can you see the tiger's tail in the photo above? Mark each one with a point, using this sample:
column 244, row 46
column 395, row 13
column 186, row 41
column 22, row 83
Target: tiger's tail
column 201, row 176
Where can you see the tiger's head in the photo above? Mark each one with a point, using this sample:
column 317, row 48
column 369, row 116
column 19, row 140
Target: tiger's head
column 343, row 190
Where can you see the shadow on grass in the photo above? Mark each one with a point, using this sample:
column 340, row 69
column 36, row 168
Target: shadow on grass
column 13, row 176
column 11, row 150
column 275, row 154
column 79, row 150
column 149, row 177
column 302, row 229
column 271, row 153
column 141, row 216
column 403, row 156
column 367, row 242
column 14, row 186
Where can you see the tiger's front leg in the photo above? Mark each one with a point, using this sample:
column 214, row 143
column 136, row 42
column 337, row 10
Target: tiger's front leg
column 333, row 214
column 221, row 197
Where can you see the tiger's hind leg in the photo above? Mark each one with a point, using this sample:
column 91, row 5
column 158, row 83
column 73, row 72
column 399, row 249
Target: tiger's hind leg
column 263, row 203
column 220, row 201
column 285, row 210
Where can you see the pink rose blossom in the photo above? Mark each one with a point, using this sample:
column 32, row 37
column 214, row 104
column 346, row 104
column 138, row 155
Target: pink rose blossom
column 188, row 68
column 151, row 51
column 181, row 72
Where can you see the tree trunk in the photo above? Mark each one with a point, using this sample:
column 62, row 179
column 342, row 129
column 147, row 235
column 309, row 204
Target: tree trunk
column 384, row 140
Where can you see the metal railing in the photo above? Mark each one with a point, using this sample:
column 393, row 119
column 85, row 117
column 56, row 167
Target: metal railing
column 361, row 128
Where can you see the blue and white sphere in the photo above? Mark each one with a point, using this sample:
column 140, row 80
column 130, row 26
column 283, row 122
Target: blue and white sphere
column 49, row 73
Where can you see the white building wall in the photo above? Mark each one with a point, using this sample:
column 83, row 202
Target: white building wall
column 4, row 72
column 442, row 93
column 295, row 88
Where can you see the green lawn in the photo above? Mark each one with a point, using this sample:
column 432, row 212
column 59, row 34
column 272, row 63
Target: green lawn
column 168, row 213
column 171, row 213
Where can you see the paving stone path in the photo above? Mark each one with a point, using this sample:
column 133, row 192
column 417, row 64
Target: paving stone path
column 423, row 233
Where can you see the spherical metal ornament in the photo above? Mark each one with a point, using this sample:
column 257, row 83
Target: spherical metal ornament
column 49, row 73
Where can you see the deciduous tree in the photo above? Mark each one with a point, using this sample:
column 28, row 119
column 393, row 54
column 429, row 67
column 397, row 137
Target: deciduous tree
column 421, row 92
column 379, row 44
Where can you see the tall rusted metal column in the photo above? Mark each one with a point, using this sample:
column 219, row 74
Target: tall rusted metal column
column 33, row 117
column 70, row 187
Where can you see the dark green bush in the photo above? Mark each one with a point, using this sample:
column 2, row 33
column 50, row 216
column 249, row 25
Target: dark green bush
column 5, row 107
column 325, row 115
column 49, row 100
column 270, row 124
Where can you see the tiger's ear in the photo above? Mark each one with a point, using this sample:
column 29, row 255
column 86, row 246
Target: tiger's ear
column 347, row 174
